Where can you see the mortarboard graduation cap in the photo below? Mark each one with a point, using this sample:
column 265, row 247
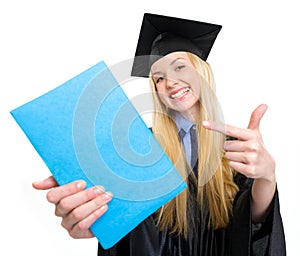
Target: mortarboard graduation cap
column 161, row 35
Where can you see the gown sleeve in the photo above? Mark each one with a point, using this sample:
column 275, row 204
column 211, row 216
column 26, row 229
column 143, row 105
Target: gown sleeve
column 257, row 239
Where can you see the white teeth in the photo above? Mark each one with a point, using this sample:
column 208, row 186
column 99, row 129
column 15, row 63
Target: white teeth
column 180, row 93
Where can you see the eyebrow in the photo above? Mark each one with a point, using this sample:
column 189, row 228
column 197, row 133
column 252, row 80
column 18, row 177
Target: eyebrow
column 179, row 58
column 172, row 63
column 156, row 73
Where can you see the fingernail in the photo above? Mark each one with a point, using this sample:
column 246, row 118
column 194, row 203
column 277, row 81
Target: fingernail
column 206, row 123
column 107, row 196
column 39, row 181
column 36, row 182
column 81, row 184
column 99, row 190
column 109, row 193
column 101, row 210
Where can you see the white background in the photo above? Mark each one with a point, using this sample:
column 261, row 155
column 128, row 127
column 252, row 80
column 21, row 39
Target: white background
column 45, row 43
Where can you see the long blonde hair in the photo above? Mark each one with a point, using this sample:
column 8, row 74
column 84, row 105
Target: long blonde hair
column 215, row 177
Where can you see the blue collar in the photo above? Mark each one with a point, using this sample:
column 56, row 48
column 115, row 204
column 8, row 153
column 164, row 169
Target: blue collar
column 182, row 123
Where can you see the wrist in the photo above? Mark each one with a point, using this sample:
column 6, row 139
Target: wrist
column 271, row 179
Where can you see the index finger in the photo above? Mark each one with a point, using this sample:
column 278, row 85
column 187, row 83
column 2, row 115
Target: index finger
column 229, row 130
column 56, row 194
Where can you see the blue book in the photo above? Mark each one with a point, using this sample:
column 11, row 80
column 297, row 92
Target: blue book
column 87, row 129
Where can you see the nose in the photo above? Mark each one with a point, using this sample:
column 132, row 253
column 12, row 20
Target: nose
column 171, row 82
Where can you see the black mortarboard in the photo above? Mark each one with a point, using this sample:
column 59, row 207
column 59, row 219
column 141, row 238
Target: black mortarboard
column 161, row 35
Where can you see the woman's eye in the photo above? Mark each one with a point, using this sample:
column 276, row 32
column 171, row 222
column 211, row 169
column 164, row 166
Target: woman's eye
column 159, row 79
column 180, row 67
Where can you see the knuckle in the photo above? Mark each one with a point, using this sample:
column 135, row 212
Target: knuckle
column 50, row 197
column 81, row 227
column 255, row 148
column 64, row 205
column 78, row 230
column 73, row 234
column 227, row 145
column 57, row 212
column 251, row 171
column 63, row 224
column 250, row 158
column 76, row 214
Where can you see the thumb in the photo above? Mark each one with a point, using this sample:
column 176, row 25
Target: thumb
column 45, row 184
column 256, row 116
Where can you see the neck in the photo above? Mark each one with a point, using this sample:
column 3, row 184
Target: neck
column 193, row 114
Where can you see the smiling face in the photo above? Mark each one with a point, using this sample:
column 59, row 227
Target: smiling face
column 177, row 83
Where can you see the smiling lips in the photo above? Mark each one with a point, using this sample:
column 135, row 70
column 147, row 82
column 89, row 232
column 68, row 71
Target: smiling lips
column 180, row 93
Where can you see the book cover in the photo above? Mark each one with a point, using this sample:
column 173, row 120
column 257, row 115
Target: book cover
column 87, row 129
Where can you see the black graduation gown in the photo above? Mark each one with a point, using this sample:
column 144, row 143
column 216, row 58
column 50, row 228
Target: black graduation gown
column 242, row 237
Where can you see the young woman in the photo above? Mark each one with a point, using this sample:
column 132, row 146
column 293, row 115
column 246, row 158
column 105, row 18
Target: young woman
column 231, row 205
